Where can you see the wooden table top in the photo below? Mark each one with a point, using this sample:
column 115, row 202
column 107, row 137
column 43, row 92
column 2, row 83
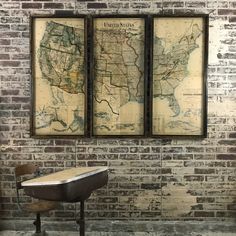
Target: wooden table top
column 64, row 176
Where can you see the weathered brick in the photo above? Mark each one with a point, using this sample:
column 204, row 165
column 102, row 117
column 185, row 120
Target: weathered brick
column 107, row 142
column 5, row 100
column 5, row 113
column 96, row 5
column 194, row 149
column 232, row 19
column 20, row 27
column 65, row 142
column 173, row 149
column 196, row 4
column 97, row 163
column 10, row 92
column 32, row 5
column 226, row 214
column 4, row 13
column 204, row 214
column 150, row 186
column 214, row 178
column 197, row 207
column 116, row 5
column 53, row 5
column 4, row 35
column 10, row 106
column 168, row 4
column 227, row 11
column 156, row 142
column 117, row 207
column 215, row 4
column 204, row 171
column 139, row 150
column 149, row 214
column 183, row 156
column 216, row 164
column 9, row 63
column 193, row 163
column 179, row 11
column 4, row 128
column 119, row 150
column 64, row 12
column 231, row 150
column 20, row 99
column 54, row 149
column 140, row 5
column 231, row 206
column 232, row 135
column 10, row 19
column 5, row 42
column 4, row 56
column 54, row 163
column 193, row 178
column 226, row 56
column 231, row 164
column 205, row 199
column 4, row 27
column 226, row 156
column 107, row 199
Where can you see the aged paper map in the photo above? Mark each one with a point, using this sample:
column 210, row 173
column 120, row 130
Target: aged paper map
column 177, row 76
column 59, row 76
column 118, row 92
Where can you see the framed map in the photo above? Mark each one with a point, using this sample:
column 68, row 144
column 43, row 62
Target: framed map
column 58, row 49
column 118, row 75
column 178, row 71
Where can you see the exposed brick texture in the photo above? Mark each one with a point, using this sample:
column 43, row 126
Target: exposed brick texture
column 190, row 179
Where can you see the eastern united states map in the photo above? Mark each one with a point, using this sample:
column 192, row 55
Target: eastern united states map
column 177, row 76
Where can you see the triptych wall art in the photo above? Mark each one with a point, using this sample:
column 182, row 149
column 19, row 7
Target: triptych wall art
column 119, row 76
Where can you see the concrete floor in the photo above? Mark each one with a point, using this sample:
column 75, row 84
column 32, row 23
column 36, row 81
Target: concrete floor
column 69, row 233
column 119, row 228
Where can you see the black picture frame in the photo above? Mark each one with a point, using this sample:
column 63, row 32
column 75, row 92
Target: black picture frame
column 82, row 121
column 148, row 80
column 93, row 64
column 159, row 88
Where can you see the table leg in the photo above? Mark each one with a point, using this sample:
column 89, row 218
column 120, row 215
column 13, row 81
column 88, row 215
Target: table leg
column 37, row 223
column 81, row 221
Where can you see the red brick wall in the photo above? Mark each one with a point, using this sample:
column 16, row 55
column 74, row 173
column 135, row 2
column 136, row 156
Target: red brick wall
column 149, row 178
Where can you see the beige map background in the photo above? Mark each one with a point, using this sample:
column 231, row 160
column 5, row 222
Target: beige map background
column 43, row 90
column 188, row 93
column 123, row 115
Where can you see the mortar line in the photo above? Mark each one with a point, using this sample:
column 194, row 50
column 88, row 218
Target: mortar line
column 161, row 185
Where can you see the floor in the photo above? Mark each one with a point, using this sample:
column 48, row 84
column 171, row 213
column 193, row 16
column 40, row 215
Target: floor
column 69, row 233
column 118, row 228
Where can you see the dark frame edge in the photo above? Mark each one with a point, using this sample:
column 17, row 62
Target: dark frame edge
column 32, row 76
column 88, row 126
column 146, row 52
column 32, row 80
column 204, row 74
